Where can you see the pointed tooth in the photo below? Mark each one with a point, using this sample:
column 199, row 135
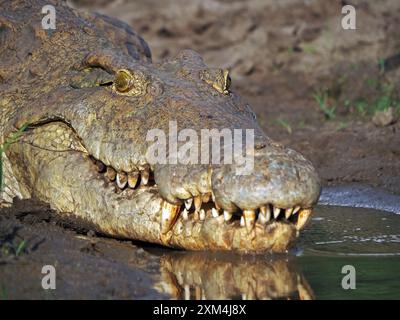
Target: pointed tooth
column 197, row 203
column 145, row 174
column 187, row 292
column 296, row 209
column 133, row 179
column 202, row 214
column 122, row 179
column 277, row 211
column 188, row 203
column 227, row 215
column 169, row 214
column 303, row 218
column 242, row 223
column 215, row 212
column 206, row 197
column 185, row 214
column 110, row 174
column 264, row 215
column 288, row 213
column 249, row 219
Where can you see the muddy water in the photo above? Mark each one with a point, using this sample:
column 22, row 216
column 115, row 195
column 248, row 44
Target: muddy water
column 366, row 239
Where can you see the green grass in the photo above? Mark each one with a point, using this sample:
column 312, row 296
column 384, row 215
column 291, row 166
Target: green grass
column 385, row 100
column 12, row 248
column 285, row 124
column 13, row 137
column 20, row 248
column 321, row 97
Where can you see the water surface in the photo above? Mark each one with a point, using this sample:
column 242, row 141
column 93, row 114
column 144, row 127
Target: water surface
column 367, row 239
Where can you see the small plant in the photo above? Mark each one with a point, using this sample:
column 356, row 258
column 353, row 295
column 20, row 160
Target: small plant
column 20, row 248
column 285, row 125
column 362, row 107
column 12, row 248
column 321, row 97
column 13, row 137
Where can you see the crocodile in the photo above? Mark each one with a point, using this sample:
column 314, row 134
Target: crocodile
column 77, row 104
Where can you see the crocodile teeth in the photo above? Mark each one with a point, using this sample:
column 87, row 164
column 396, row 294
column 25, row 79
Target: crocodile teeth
column 249, row 219
column 288, row 213
column 133, row 179
column 197, row 203
column 202, row 214
column 296, row 209
column 215, row 212
column 187, row 292
column 265, row 215
column 227, row 215
column 145, row 173
column 110, row 174
column 242, row 223
column 122, row 180
column 185, row 214
column 277, row 211
column 188, row 203
column 169, row 214
column 303, row 218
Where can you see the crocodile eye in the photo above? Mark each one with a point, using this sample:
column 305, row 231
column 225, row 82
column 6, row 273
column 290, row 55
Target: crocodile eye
column 123, row 80
column 131, row 83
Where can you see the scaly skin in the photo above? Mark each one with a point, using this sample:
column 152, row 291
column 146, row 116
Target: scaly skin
column 90, row 93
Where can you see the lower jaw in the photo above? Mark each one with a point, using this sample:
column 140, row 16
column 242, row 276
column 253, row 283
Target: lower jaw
column 135, row 214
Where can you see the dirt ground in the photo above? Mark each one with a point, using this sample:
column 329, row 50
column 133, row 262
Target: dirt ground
column 314, row 86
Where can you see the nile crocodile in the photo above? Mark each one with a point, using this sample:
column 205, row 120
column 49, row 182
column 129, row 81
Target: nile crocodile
column 82, row 98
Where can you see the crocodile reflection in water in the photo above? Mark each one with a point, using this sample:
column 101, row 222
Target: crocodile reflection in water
column 200, row 275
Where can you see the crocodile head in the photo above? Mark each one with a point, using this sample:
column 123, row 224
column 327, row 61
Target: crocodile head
column 89, row 155
column 96, row 111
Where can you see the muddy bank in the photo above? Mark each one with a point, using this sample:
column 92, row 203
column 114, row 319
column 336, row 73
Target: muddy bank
column 87, row 267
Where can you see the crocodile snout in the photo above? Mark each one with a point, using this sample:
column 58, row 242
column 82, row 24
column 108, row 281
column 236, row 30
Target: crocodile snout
column 281, row 185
